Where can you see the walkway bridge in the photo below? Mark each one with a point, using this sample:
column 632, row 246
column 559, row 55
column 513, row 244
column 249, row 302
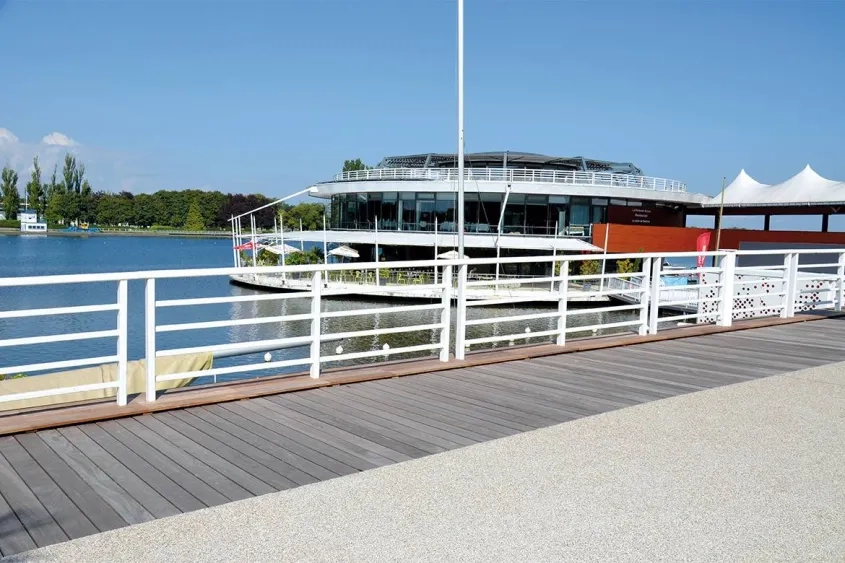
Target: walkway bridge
column 73, row 469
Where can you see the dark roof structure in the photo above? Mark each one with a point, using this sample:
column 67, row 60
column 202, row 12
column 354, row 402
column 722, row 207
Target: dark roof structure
column 523, row 160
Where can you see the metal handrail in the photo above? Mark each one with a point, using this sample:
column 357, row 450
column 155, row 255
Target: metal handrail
column 576, row 178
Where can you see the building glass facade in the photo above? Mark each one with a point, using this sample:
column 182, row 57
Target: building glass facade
column 528, row 214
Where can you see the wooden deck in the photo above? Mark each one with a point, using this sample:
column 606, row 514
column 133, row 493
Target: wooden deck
column 69, row 482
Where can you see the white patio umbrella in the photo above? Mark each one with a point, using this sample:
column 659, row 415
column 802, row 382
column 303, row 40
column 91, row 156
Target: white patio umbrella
column 280, row 248
column 344, row 252
column 452, row 255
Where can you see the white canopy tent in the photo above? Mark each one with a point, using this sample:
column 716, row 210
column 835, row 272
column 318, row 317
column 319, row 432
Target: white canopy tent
column 805, row 188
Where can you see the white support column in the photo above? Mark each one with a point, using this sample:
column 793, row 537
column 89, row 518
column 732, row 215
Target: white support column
column 122, row 340
column 840, row 283
column 254, row 242
column 654, row 295
column 554, row 255
column 645, row 296
column 282, row 242
column 150, row 337
column 726, row 292
column 325, row 250
column 378, row 279
column 790, row 277
column 563, row 302
column 302, row 239
column 234, row 243
column 316, row 312
column 461, row 314
column 435, row 249
column 445, row 314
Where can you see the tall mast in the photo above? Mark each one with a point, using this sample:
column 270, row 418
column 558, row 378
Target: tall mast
column 461, row 128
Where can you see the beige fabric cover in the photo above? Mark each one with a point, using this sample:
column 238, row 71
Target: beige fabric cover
column 136, row 377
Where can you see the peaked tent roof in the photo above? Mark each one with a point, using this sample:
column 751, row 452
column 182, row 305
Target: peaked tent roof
column 805, row 188
column 743, row 189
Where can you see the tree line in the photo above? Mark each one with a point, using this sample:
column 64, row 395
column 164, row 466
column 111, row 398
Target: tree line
column 67, row 198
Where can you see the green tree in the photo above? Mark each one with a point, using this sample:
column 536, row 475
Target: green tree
column 35, row 189
column 70, row 190
column 194, row 220
column 590, row 268
column 55, row 199
column 349, row 165
column 9, row 192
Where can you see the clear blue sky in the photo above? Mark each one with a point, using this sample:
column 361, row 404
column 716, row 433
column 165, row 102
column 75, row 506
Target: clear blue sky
column 270, row 96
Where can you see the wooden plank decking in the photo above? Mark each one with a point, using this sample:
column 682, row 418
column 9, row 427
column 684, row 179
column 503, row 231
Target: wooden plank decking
column 69, row 482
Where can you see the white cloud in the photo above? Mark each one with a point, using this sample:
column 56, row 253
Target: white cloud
column 59, row 139
column 112, row 169
column 7, row 137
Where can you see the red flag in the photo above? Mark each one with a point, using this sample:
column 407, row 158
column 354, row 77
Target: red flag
column 701, row 245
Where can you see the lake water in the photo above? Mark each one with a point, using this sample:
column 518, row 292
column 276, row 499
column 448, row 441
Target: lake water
column 36, row 256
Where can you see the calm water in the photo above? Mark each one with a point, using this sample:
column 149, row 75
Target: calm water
column 28, row 256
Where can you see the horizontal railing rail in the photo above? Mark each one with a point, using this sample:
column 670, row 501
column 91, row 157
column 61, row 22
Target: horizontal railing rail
column 309, row 327
column 575, row 178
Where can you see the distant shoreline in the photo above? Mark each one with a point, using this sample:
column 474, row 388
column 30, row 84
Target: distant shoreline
column 60, row 233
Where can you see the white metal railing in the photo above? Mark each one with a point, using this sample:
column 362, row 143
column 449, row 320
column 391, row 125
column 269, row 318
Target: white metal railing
column 798, row 280
column 575, row 178
column 119, row 333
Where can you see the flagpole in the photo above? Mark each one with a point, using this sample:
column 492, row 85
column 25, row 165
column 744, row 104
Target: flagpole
column 719, row 226
column 461, row 127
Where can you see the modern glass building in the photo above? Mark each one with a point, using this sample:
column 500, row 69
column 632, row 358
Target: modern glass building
column 525, row 197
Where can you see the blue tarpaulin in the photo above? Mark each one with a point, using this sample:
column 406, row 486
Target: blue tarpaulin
column 673, row 280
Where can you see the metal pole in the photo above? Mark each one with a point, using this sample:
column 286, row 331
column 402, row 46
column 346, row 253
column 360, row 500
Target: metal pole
column 604, row 259
column 378, row 281
column 719, row 227
column 234, row 244
column 301, row 239
column 461, row 127
column 254, row 242
column 325, row 249
column 282, row 241
column 435, row 248
column 554, row 255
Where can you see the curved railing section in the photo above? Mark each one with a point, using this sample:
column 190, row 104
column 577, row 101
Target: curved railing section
column 572, row 178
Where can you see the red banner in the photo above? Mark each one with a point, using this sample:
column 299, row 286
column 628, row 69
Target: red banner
column 701, row 245
column 247, row 246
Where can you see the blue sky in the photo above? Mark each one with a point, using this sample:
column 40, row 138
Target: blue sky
column 268, row 96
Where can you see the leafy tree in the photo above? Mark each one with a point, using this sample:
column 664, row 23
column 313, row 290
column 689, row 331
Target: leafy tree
column 313, row 255
column 194, row 220
column 350, row 165
column 35, row 189
column 590, row 268
column 627, row 266
column 9, row 191
column 55, row 199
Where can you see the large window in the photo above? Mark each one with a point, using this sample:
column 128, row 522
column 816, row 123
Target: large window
column 529, row 214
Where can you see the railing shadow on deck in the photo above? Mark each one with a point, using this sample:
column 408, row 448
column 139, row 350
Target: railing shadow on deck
column 316, row 337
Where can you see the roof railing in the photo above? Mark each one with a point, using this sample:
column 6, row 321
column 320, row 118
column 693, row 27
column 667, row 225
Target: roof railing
column 566, row 177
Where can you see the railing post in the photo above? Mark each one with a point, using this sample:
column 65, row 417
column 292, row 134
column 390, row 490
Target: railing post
column 654, row 295
column 461, row 313
column 840, row 283
column 150, row 337
column 726, row 292
column 790, row 279
column 445, row 313
column 563, row 302
column 645, row 291
column 122, row 347
column 316, row 312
